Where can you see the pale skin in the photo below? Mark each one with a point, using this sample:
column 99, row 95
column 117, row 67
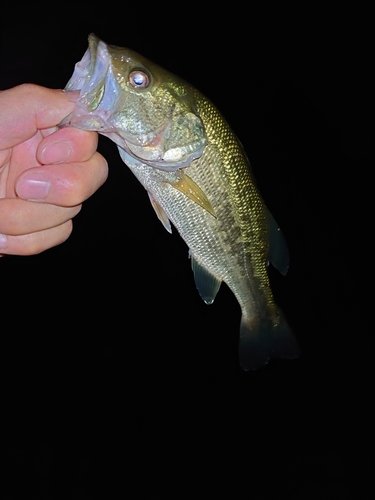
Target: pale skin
column 45, row 173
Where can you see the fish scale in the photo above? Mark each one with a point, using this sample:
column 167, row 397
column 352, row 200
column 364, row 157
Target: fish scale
column 198, row 177
column 247, row 209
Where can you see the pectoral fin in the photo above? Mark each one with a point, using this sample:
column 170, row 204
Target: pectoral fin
column 162, row 216
column 207, row 284
column 189, row 188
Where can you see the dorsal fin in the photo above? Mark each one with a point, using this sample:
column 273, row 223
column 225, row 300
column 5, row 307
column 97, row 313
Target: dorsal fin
column 278, row 251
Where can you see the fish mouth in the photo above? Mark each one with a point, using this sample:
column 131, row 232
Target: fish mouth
column 100, row 102
column 98, row 89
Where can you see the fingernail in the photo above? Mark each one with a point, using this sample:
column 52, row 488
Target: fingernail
column 33, row 186
column 73, row 95
column 3, row 242
column 55, row 152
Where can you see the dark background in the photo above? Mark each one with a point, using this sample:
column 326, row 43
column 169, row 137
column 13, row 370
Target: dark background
column 118, row 381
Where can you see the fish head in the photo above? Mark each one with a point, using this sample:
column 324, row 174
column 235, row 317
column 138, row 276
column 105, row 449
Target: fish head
column 147, row 111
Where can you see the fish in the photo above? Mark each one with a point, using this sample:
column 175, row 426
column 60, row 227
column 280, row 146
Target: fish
column 199, row 180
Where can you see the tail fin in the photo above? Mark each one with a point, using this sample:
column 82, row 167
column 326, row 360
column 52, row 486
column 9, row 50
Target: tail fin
column 261, row 340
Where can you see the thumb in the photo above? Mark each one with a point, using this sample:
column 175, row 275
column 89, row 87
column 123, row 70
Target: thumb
column 28, row 108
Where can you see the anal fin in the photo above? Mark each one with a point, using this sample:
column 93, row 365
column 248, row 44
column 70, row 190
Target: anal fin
column 207, row 284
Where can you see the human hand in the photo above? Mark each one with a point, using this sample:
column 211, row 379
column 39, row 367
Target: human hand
column 45, row 173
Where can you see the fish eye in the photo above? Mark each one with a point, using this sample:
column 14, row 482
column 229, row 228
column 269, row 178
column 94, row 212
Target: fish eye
column 139, row 79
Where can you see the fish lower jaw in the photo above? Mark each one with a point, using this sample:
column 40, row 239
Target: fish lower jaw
column 94, row 121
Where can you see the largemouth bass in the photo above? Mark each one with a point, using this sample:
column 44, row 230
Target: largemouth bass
column 198, row 178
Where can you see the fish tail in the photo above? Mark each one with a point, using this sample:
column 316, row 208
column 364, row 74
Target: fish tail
column 261, row 340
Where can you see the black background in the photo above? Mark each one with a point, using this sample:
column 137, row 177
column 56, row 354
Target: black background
column 118, row 381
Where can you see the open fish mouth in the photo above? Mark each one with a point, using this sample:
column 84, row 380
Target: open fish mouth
column 102, row 107
column 99, row 89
